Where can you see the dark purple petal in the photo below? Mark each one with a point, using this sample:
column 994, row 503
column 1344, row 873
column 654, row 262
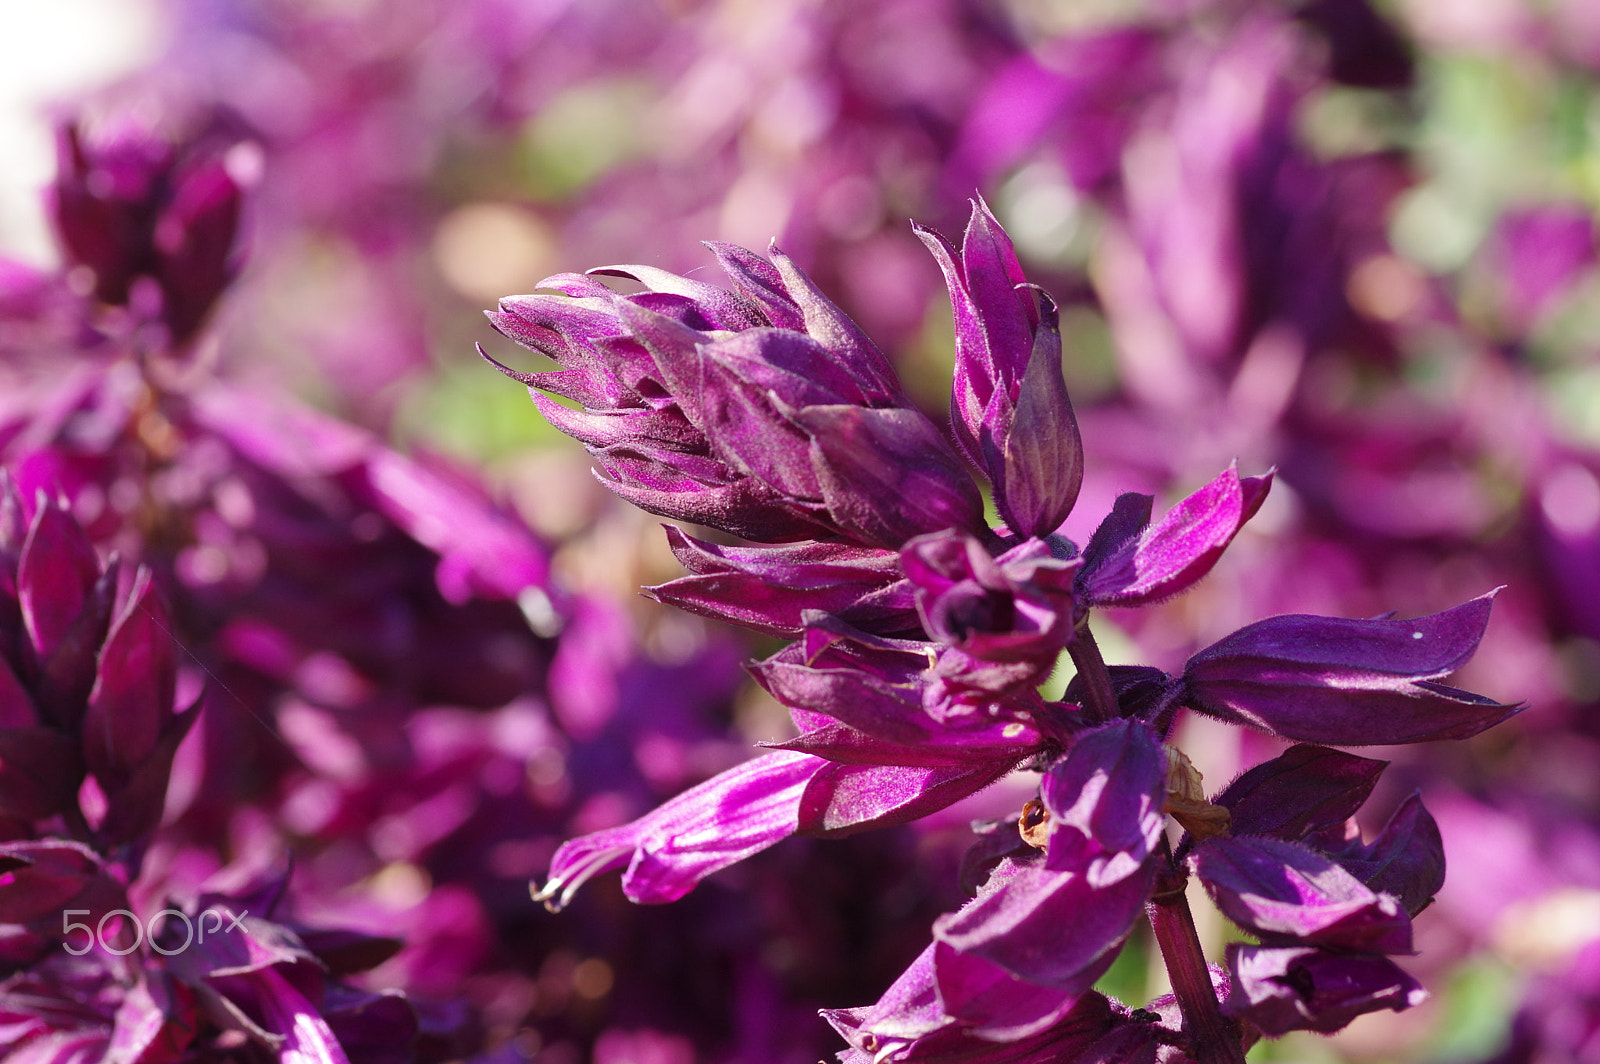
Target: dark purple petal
column 1406, row 859
column 40, row 878
column 1281, row 890
column 911, row 1023
column 1347, row 682
column 193, row 240
column 1059, row 920
column 1105, row 802
column 831, row 327
column 377, row 1028
column 1032, row 447
column 701, row 490
column 1008, row 400
column 664, row 427
column 55, row 577
column 1305, row 789
column 68, row 674
column 1129, row 516
column 986, row 743
column 103, row 198
column 908, row 1010
column 135, row 804
column 771, row 588
column 1059, row 929
column 283, row 1010
column 1141, row 690
column 153, row 1023
column 706, row 828
column 40, row 772
column 131, row 702
column 759, row 281
column 1179, row 549
column 675, row 350
column 345, row 952
column 877, row 690
column 1017, row 607
column 844, row 799
column 1303, row 988
column 992, row 1004
column 887, row 475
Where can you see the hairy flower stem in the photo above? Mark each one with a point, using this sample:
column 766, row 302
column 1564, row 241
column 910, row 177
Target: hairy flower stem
column 1214, row 1040
column 1099, row 699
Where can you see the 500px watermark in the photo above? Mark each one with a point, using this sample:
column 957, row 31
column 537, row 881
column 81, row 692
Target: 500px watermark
column 226, row 921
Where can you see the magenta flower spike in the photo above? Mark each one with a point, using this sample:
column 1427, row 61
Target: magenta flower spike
column 775, row 432
column 921, row 639
column 133, row 204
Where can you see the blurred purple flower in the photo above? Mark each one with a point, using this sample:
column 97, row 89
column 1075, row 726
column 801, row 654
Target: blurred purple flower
column 130, row 204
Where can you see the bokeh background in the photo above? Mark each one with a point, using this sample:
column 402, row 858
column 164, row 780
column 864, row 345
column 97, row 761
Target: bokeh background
column 1354, row 240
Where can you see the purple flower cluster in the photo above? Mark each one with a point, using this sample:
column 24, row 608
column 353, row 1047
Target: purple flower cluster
column 89, row 674
column 922, row 633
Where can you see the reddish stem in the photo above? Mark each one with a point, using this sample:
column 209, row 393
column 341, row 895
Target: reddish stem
column 1098, row 698
column 1213, row 1039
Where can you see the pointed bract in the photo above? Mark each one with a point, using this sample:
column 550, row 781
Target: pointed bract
column 1303, row 790
column 1347, row 682
column 1168, row 557
column 1284, row 892
column 1406, row 859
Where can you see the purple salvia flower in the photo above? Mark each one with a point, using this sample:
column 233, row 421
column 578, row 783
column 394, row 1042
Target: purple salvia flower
column 1305, row 988
column 132, row 204
column 1058, row 920
column 704, row 829
column 772, row 433
column 911, row 1023
column 1002, row 620
column 1016, row 606
column 1009, row 404
column 1129, row 562
column 1347, row 682
column 789, row 420
column 720, row 822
